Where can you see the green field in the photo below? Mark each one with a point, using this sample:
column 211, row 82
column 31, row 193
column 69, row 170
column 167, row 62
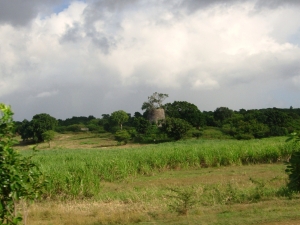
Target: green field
column 222, row 182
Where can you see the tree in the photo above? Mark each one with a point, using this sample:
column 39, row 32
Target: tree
column 141, row 125
column 37, row 126
column 26, row 130
column 48, row 136
column 277, row 121
column 137, row 115
column 222, row 113
column 42, row 123
column 186, row 111
column 119, row 117
column 274, row 117
column 20, row 177
column 209, row 118
column 154, row 101
column 176, row 128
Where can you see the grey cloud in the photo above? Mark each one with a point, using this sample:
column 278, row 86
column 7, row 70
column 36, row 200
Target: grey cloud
column 17, row 12
column 110, row 14
column 261, row 68
column 83, row 97
column 21, row 12
column 79, row 101
column 272, row 4
column 97, row 7
column 105, row 42
column 72, row 34
column 194, row 5
column 106, row 10
column 102, row 41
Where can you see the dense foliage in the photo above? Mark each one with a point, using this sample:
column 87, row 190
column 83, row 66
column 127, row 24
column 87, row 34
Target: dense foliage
column 39, row 124
column 20, row 177
column 176, row 128
column 186, row 111
column 222, row 114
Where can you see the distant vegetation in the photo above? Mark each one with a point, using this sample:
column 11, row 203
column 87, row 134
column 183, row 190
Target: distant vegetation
column 183, row 120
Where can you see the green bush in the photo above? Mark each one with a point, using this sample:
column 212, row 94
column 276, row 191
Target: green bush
column 122, row 136
column 75, row 127
column 61, row 129
column 95, row 128
column 195, row 133
column 293, row 165
column 48, row 136
column 184, row 199
column 244, row 136
column 278, row 131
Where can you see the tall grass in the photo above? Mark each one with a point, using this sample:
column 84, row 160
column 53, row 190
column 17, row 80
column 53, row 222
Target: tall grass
column 78, row 173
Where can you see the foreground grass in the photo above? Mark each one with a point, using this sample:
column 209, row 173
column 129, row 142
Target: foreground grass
column 224, row 195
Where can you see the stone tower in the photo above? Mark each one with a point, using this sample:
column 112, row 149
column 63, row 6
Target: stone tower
column 156, row 115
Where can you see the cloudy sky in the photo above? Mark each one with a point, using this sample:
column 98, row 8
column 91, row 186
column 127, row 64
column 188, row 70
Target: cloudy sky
column 79, row 58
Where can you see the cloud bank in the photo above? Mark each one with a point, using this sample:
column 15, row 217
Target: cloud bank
column 72, row 58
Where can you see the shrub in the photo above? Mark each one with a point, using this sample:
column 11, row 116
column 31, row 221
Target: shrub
column 244, row 136
column 195, row 133
column 293, row 166
column 95, row 128
column 278, row 131
column 48, row 136
column 75, row 127
column 60, row 129
column 122, row 136
column 183, row 200
column 20, row 177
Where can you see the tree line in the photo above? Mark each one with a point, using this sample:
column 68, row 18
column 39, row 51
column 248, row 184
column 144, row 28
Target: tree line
column 182, row 119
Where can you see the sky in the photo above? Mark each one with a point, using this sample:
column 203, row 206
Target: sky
column 79, row 58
